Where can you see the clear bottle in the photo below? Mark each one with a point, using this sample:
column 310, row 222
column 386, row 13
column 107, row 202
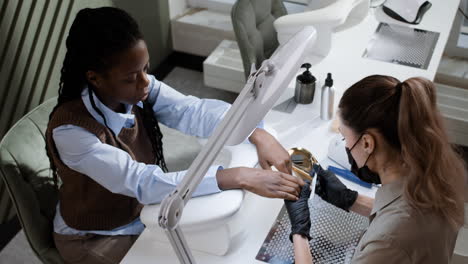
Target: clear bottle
column 327, row 99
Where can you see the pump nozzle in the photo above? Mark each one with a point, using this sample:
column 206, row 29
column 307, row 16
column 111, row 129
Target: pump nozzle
column 306, row 76
column 306, row 65
column 329, row 80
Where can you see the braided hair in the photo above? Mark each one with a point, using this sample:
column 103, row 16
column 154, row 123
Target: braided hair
column 95, row 37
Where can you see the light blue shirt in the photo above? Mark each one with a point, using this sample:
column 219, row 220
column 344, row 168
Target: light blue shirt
column 83, row 152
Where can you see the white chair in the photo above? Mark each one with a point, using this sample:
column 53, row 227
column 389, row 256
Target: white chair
column 336, row 15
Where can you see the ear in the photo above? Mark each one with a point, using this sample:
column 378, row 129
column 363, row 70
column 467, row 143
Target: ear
column 93, row 78
column 369, row 142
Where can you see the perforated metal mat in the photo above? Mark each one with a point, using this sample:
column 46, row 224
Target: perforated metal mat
column 402, row 45
column 335, row 234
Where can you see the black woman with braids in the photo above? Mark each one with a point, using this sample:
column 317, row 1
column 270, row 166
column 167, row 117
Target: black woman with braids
column 104, row 141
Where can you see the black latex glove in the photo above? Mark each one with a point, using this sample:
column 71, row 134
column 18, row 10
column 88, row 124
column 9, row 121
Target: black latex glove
column 298, row 212
column 332, row 190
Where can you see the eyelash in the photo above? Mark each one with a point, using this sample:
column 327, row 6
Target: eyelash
column 134, row 80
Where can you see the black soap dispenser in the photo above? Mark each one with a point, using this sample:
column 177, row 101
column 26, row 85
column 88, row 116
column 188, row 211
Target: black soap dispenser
column 305, row 86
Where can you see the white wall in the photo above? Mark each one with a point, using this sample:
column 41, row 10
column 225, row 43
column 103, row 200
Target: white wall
column 177, row 8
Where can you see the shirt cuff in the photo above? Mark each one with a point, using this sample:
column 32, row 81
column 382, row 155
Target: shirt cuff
column 259, row 125
column 209, row 184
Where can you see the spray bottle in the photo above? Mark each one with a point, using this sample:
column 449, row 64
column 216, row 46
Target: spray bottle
column 328, row 97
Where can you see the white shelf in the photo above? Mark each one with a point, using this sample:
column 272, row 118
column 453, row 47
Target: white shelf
column 223, row 69
column 200, row 31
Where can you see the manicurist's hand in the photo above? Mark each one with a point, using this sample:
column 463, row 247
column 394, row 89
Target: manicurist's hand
column 332, row 190
column 270, row 152
column 298, row 212
column 267, row 183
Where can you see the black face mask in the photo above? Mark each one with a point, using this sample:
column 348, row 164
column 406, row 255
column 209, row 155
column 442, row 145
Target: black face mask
column 363, row 173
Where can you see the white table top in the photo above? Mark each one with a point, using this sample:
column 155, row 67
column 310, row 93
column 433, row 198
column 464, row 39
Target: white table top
column 303, row 127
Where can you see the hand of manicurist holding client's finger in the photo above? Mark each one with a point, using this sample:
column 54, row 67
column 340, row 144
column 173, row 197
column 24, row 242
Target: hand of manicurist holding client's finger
column 329, row 188
column 298, row 212
column 299, row 216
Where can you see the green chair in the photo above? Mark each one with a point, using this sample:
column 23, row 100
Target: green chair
column 253, row 26
column 25, row 170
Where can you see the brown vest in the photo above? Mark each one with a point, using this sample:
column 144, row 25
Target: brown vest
column 84, row 203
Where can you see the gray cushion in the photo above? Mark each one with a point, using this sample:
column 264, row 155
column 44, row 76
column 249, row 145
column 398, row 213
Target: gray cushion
column 253, row 25
column 25, row 169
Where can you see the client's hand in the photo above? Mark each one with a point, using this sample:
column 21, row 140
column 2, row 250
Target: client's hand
column 267, row 183
column 332, row 190
column 272, row 184
column 270, row 152
column 298, row 212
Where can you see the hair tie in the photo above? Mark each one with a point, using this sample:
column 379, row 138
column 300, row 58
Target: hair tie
column 399, row 86
column 398, row 89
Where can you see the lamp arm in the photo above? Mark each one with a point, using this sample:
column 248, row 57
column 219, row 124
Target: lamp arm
column 262, row 89
column 172, row 206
